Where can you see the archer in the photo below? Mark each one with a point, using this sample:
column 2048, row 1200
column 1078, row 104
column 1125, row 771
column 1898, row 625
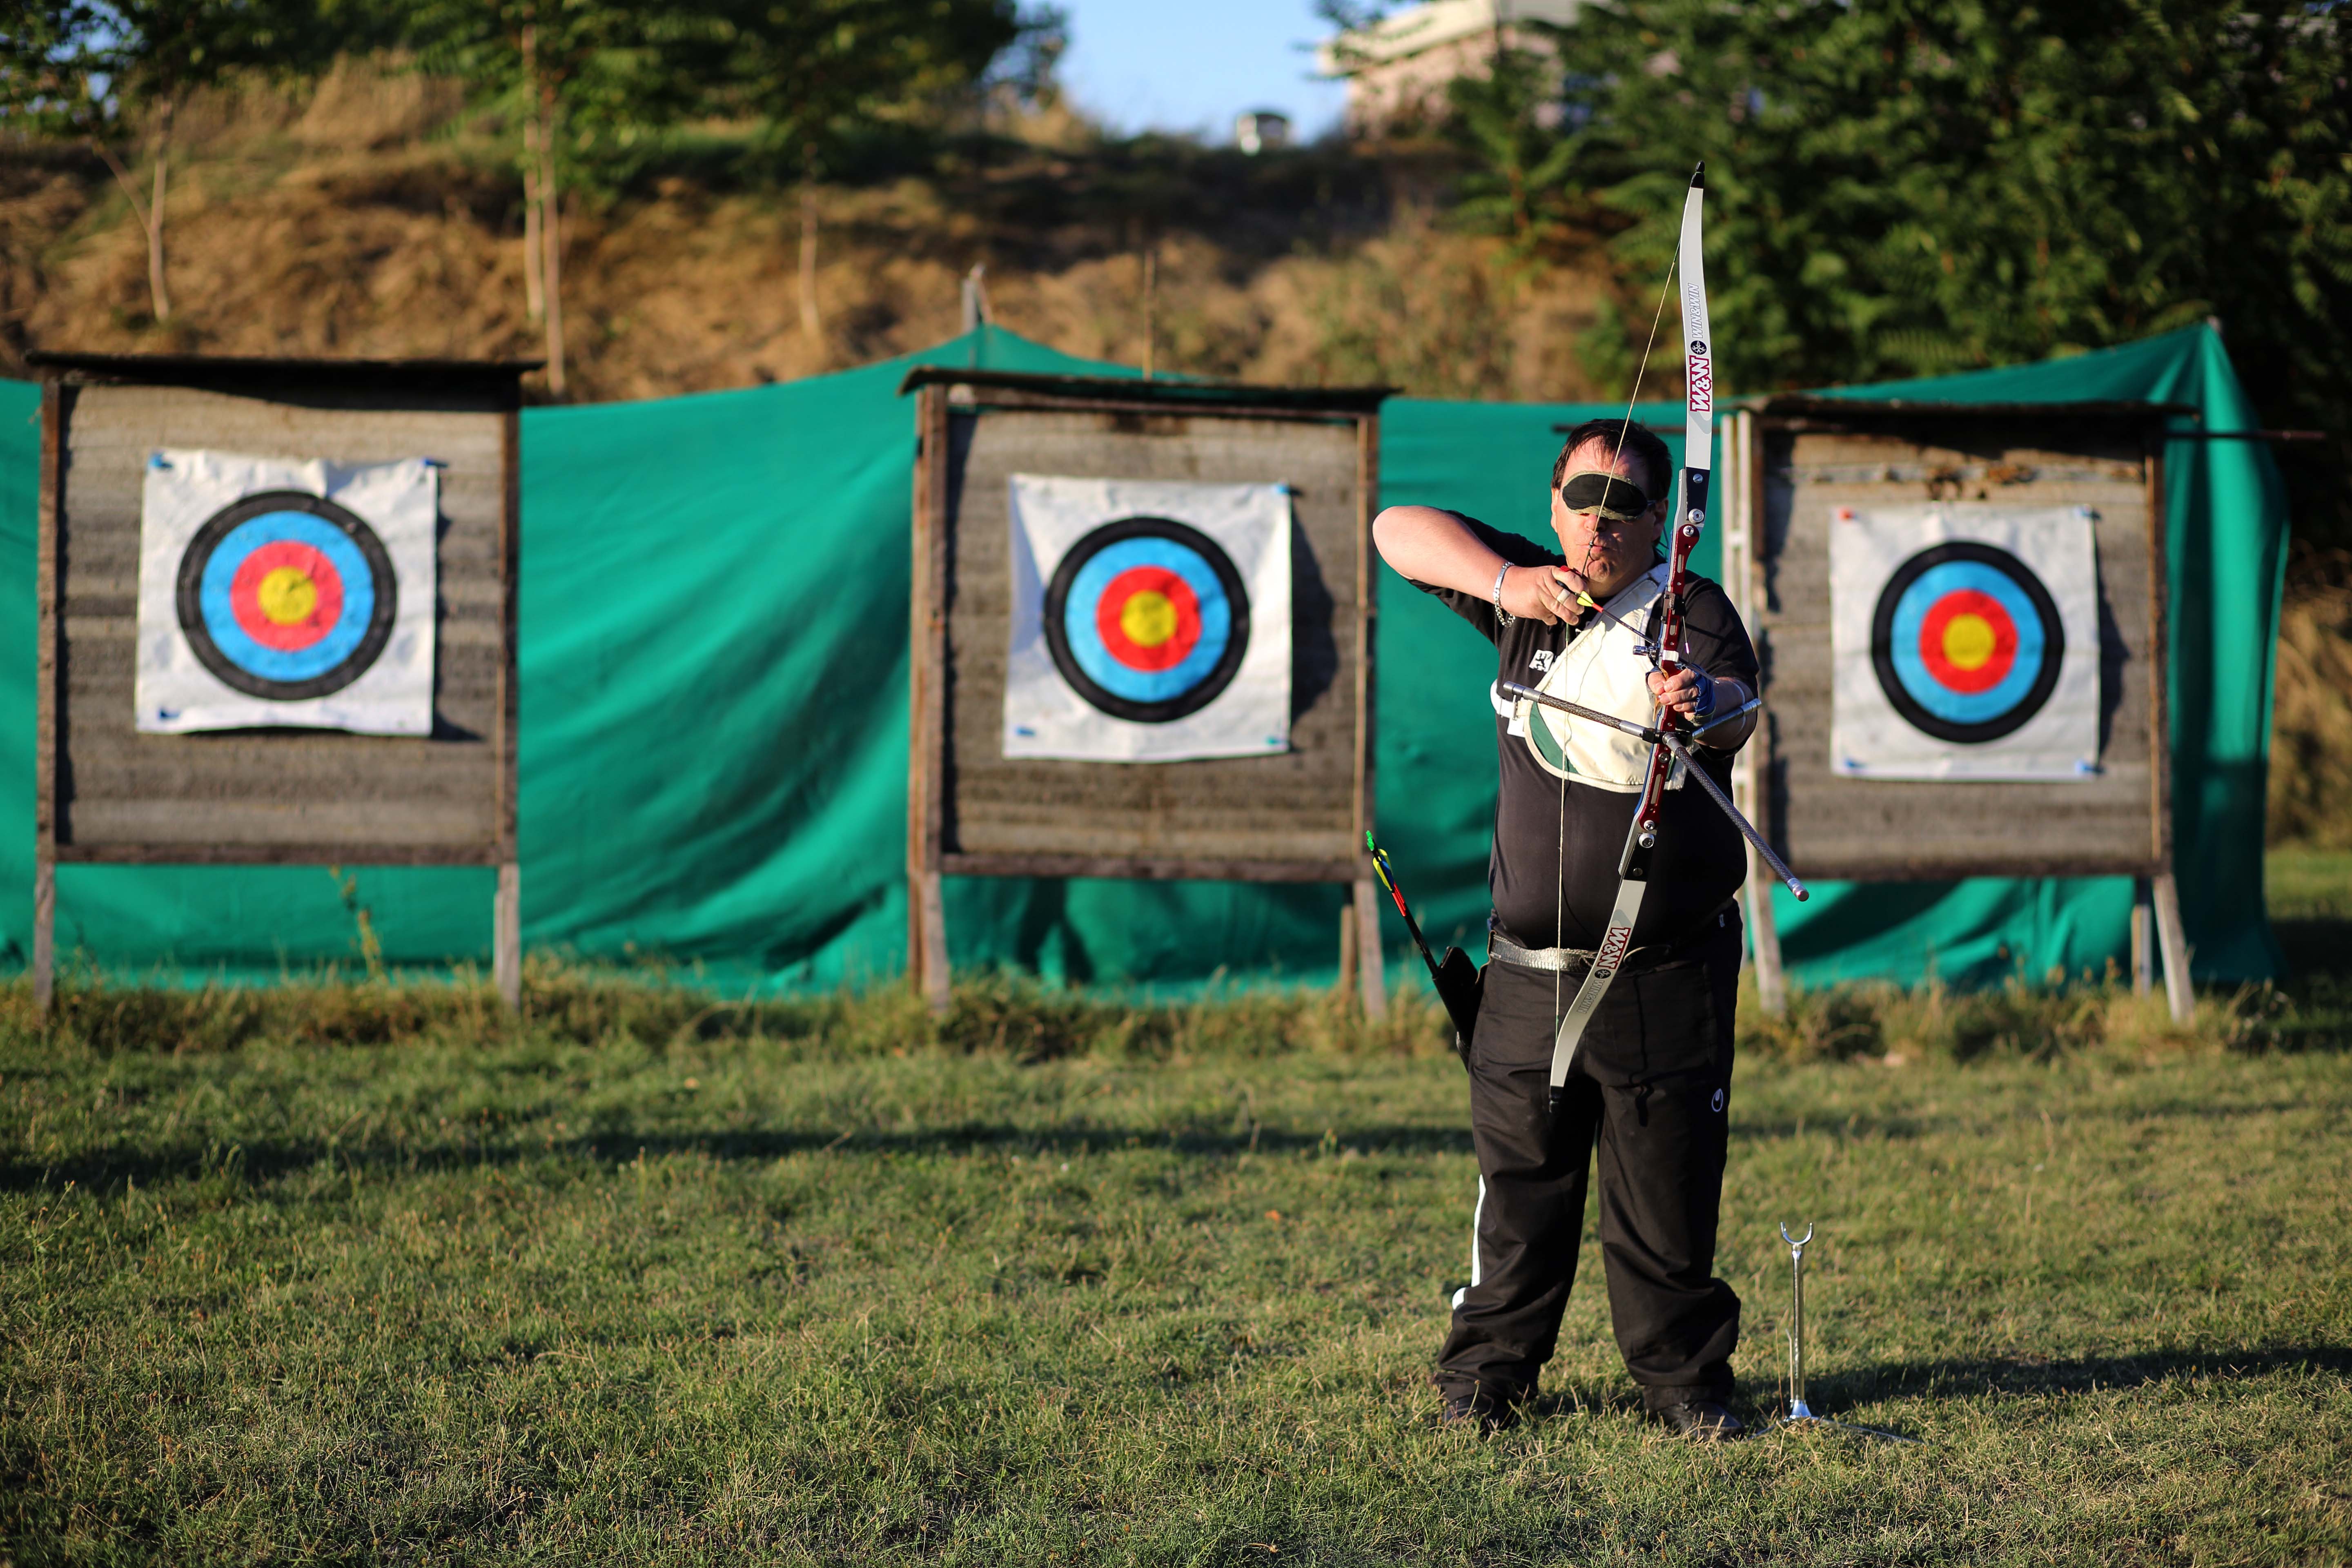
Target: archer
column 1642, row 1065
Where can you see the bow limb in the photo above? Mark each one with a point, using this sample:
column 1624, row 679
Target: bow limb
column 1689, row 516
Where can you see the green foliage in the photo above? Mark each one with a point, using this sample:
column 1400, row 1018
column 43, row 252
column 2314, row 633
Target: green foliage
column 813, row 74
column 157, row 51
column 1517, row 184
column 1919, row 187
column 816, row 72
column 600, row 75
column 75, row 70
column 49, row 70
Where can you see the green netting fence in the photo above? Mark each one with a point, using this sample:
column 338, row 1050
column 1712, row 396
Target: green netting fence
column 714, row 722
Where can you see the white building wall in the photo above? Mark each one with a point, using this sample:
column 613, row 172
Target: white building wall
column 1398, row 70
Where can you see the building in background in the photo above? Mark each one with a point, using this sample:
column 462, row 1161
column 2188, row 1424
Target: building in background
column 1261, row 131
column 1397, row 70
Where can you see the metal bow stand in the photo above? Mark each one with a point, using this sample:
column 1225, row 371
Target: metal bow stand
column 1799, row 1413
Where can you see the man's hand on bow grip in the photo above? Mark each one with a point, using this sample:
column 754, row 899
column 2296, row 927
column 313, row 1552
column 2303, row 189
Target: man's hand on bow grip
column 1688, row 694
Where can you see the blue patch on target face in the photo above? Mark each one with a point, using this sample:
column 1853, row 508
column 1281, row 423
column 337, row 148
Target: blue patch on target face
column 1925, row 684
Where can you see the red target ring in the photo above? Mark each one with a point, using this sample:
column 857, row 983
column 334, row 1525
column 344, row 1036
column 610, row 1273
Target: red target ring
column 1148, row 618
column 1967, row 641
column 287, row 595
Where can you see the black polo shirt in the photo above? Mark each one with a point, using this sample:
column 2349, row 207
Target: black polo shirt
column 1553, row 871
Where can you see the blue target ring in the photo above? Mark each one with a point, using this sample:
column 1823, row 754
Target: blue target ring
column 1082, row 616
column 1967, row 642
column 1147, row 619
column 286, row 595
column 338, row 641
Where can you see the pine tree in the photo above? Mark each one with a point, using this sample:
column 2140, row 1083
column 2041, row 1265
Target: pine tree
column 1917, row 186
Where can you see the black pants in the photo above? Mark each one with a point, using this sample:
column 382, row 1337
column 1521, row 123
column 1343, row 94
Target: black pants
column 1651, row 1086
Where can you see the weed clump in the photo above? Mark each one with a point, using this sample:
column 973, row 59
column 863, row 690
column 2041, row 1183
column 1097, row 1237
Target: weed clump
column 987, row 1014
column 1896, row 1024
column 1015, row 1017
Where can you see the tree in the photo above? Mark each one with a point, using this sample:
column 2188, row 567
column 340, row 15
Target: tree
column 100, row 72
column 816, row 72
column 585, row 77
column 1517, row 184
column 573, row 71
column 1912, row 186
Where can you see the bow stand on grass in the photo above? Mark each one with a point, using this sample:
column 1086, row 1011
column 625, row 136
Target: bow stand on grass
column 1668, row 653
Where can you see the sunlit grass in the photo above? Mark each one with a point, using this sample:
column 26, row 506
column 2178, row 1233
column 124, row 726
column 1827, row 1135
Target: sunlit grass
column 647, row 1278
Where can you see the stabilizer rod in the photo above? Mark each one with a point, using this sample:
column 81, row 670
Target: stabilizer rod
column 1680, row 745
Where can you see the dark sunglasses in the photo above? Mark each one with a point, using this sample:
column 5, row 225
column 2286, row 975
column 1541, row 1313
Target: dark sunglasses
column 1612, row 497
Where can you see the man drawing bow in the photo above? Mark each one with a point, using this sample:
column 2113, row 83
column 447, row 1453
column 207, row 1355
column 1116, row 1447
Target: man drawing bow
column 1647, row 1074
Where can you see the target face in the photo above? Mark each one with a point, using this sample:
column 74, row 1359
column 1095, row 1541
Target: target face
column 1967, row 642
column 286, row 595
column 1147, row 619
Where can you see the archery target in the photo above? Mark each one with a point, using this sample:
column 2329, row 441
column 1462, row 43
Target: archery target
column 1147, row 619
column 284, row 595
column 1967, row 642
column 1151, row 619
column 277, row 592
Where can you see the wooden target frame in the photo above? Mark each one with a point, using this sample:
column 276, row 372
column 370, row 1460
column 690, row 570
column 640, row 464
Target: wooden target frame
column 1791, row 461
column 107, row 793
column 1296, row 816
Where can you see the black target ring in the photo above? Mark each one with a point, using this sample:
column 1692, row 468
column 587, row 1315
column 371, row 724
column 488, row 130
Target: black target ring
column 2001, row 585
column 1205, row 609
column 375, row 582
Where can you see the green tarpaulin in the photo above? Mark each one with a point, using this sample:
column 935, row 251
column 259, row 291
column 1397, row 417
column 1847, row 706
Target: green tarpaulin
column 714, row 722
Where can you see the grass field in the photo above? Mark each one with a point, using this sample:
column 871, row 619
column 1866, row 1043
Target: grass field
column 362, row 1275
column 2310, row 894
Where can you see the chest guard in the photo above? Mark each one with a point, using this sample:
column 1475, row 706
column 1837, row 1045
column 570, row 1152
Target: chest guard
column 1601, row 669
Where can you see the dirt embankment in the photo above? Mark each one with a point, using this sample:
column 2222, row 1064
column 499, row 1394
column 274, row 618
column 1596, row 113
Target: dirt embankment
column 2311, row 722
column 373, row 215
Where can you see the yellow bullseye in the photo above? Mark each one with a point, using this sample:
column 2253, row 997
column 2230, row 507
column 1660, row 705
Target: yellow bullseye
column 1148, row 618
column 287, row 596
column 1968, row 641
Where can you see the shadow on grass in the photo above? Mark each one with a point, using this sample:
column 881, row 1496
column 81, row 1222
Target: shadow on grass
column 102, row 1170
column 2314, row 946
column 1837, row 1394
column 2027, row 1375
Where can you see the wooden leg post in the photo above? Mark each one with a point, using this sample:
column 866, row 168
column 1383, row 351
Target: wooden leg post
column 2174, row 943
column 1764, row 939
column 45, row 934
column 2143, row 938
column 931, row 963
column 506, row 935
column 914, row 928
column 1346, row 984
column 1367, row 950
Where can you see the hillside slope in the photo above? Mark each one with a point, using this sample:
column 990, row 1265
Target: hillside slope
column 372, row 215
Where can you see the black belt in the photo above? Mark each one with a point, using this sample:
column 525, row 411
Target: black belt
column 1577, row 959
